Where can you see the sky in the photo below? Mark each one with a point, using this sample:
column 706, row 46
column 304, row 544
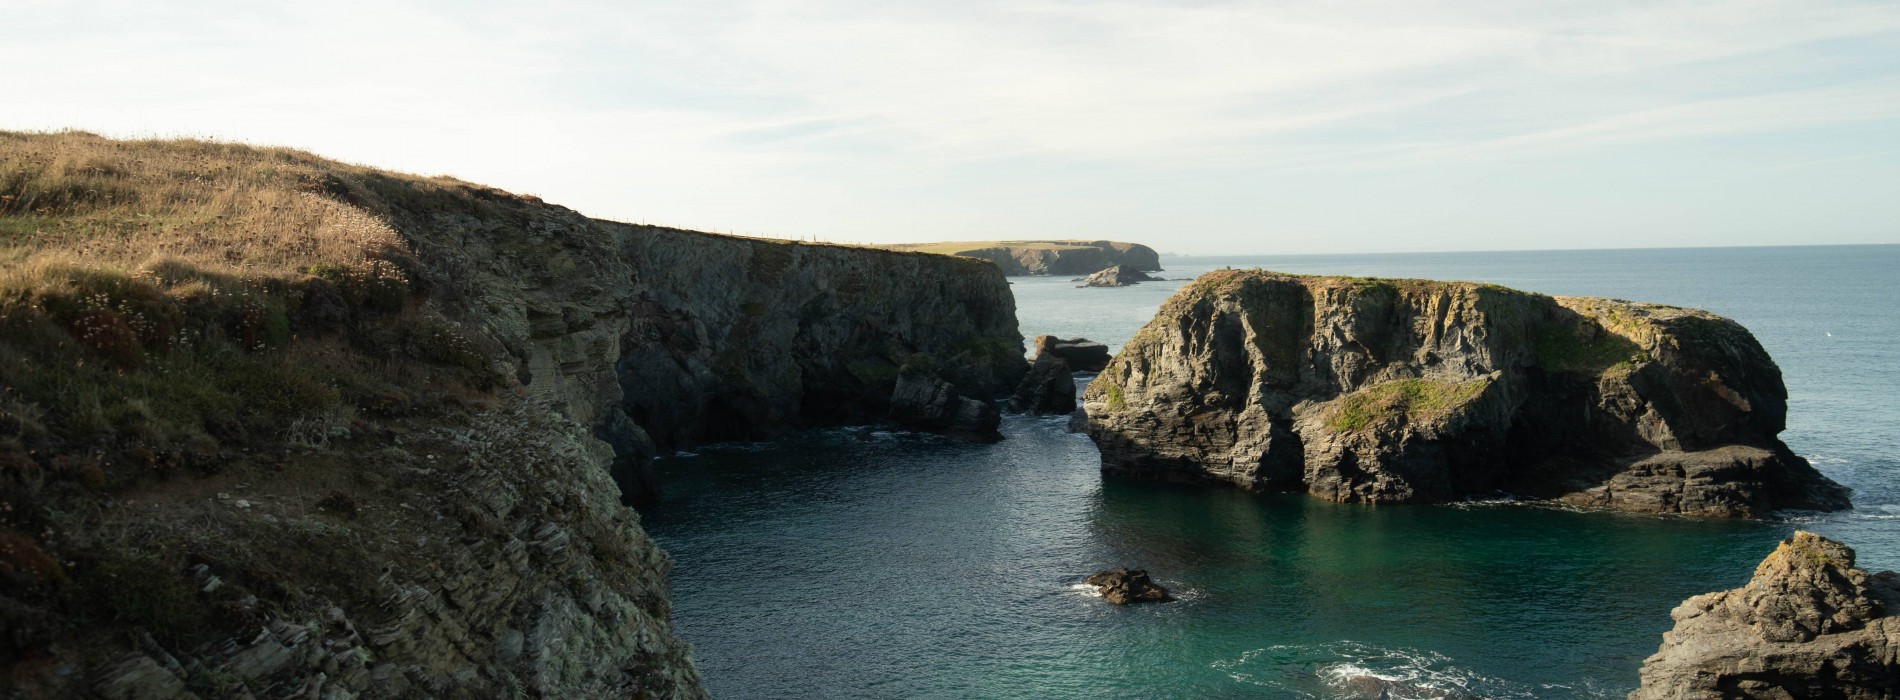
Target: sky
column 1196, row 127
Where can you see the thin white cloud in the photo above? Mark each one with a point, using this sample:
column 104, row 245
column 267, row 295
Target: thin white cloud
column 807, row 116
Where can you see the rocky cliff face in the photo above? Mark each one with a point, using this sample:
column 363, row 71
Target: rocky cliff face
column 1388, row 391
column 1808, row 625
column 349, row 433
column 661, row 338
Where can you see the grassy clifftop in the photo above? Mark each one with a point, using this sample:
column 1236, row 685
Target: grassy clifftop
column 245, row 446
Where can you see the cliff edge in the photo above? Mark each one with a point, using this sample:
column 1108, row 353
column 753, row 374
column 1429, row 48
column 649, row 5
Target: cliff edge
column 1808, row 625
column 1414, row 391
column 1020, row 258
column 276, row 426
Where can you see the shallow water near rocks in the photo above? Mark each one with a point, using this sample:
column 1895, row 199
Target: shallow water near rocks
column 860, row 563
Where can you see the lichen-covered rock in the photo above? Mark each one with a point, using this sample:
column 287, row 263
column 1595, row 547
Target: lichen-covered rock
column 1382, row 391
column 1048, row 389
column 1808, row 625
column 1117, row 276
column 1081, row 353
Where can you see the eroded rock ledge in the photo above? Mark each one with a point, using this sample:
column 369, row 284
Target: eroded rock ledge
column 1413, row 391
column 1808, row 625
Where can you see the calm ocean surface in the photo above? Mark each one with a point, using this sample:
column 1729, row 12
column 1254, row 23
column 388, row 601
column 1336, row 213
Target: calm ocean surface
column 858, row 564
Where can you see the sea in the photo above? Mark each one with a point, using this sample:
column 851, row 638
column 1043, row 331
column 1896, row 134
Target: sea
column 865, row 563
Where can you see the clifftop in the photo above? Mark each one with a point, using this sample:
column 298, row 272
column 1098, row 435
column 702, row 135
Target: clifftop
column 1017, row 258
column 269, row 421
column 1380, row 390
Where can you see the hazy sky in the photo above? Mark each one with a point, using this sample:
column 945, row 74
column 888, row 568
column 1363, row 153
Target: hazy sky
column 1195, row 127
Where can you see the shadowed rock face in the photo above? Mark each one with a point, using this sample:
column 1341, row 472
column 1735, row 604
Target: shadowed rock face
column 663, row 339
column 1048, row 389
column 1388, row 391
column 1081, row 353
column 1808, row 625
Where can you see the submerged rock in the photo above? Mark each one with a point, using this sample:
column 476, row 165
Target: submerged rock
column 1808, row 625
column 1082, row 354
column 1385, row 391
column 1048, row 389
column 1123, row 585
column 1117, row 276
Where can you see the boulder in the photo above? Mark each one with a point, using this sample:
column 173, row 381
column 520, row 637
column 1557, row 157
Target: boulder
column 1414, row 391
column 1048, row 389
column 1808, row 625
column 1123, row 585
column 1082, row 354
column 924, row 401
column 1117, row 276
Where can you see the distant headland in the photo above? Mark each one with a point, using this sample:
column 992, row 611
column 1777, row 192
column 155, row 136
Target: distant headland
column 1018, row 258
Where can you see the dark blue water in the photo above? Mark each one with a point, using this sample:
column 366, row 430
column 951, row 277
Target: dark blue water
column 853, row 563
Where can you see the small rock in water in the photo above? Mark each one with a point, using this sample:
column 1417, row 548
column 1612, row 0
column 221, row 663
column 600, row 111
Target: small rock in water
column 1123, row 585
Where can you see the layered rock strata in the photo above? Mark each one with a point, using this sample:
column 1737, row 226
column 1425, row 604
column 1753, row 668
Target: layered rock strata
column 662, row 338
column 1412, row 391
column 1808, row 625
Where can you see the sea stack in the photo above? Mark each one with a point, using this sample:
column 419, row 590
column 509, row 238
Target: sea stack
column 1808, row 625
column 1413, row 391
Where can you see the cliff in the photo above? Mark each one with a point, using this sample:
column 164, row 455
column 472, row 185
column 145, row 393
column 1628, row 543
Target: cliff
column 1412, row 391
column 1808, row 625
column 272, row 425
column 1018, row 258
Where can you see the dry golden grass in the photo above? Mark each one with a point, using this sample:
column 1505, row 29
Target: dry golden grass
column 74, row 198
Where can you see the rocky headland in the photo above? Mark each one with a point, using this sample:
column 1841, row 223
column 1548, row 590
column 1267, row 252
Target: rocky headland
column 1413, row 391
column 1023, row 258
column 276, row 426
column 1808, row 625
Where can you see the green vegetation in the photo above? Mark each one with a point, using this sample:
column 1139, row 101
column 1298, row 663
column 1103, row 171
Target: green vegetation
column 1586, row 349
column 175, row 312
column 1415, row 400
column 1114, row 391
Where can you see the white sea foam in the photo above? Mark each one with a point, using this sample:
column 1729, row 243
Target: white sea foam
column 1350, row 670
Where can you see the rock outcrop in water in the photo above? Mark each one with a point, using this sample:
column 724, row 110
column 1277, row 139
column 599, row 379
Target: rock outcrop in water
column 1808, row 625
column 1122, row 586
column 1048, row 389
column 317, row 430
column 1412, row 391
column 1117, row 276
column 1018, row 258
column 1081, row 353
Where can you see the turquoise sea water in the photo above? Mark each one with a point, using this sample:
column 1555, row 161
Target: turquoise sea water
column 855, row 563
